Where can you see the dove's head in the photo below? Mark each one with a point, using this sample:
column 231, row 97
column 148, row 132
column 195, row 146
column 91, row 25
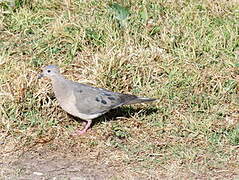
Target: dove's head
column 50, row 71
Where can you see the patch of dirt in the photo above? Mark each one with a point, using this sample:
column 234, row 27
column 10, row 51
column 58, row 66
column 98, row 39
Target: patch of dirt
column 45, row 165
column 74, row 159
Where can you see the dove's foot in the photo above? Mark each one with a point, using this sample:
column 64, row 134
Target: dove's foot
column 87, row 126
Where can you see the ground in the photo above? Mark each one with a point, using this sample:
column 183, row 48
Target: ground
column 44, row 165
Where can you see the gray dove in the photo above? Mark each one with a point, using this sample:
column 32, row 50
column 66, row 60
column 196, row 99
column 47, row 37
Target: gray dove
column 84, row 101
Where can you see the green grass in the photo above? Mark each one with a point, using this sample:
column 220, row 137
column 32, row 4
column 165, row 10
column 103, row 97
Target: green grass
column 183, row 53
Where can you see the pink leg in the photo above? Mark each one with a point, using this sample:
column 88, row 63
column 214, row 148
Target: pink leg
column 87, row 126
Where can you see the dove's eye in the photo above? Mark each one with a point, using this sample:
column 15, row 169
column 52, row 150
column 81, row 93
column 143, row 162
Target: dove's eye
column 48, row 71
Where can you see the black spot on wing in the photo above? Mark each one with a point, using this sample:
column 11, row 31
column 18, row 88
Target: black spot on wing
column 79, row 90
column 103, row 101
column 111, row 98
column 97, row 99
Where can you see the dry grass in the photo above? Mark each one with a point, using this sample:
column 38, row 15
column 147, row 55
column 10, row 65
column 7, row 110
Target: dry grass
column 183, row 52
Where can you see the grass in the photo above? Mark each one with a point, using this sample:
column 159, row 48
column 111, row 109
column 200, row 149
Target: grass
column 185, row 53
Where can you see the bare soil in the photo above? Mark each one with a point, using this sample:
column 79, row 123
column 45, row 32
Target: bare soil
column 39, row 164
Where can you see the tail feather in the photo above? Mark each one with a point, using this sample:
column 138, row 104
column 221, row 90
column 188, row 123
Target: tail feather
column 141, row 100
column 132, row 99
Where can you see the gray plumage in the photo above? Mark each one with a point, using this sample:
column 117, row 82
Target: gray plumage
column 84, row 101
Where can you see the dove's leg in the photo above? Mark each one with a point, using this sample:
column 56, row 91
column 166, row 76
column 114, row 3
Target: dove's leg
column 87, row 126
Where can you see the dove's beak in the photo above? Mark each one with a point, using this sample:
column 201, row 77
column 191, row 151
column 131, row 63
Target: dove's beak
column 40, row 76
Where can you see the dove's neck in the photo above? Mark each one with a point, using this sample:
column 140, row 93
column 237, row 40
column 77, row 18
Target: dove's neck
column 58, row 79
column 60, row 86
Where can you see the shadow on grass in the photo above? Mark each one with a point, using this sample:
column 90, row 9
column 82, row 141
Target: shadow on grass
column 114, row 114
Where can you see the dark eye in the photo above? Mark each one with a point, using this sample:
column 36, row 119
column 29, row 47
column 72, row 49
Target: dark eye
column 48, row 71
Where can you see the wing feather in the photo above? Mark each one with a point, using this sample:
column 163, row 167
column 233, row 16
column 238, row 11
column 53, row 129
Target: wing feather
column 92, row 100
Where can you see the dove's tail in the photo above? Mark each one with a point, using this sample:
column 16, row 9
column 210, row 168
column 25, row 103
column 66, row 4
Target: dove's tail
column 140, row 100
